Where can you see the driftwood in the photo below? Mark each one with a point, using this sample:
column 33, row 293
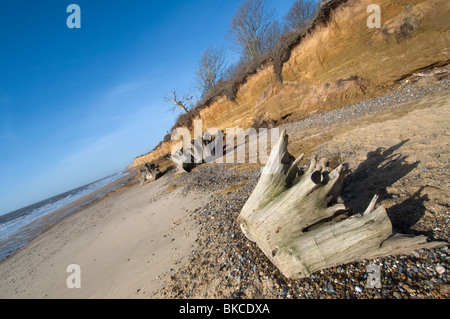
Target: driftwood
column 285, row 204
column 149, row 173
column 195, row 153
column 186, row 158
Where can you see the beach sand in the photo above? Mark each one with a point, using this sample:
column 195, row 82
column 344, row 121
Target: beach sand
column 396, row 146
column 178, row 237
column 124, row 244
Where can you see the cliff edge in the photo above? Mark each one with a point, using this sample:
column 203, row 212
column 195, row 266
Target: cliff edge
column 337, row 62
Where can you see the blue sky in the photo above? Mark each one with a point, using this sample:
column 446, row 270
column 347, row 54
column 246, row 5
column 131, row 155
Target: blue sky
column 77, row 105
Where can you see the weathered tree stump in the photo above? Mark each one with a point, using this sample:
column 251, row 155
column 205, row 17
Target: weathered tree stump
column 185, row 157
column 195, row 153
column 285, row 204
column 149, row 173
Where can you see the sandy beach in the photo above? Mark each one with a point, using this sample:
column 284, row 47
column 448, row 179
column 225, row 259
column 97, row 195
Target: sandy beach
column 257, row 150
column 123, row 243
column 178, row 237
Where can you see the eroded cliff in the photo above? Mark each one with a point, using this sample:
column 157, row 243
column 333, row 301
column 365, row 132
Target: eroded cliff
column 339, row 61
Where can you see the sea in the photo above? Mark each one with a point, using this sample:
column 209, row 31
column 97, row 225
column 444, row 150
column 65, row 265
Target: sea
column 19, row 227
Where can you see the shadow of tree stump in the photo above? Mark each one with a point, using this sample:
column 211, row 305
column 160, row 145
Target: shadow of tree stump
column 382, row 168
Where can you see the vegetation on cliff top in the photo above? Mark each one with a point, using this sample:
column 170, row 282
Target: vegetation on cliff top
column 260, row 41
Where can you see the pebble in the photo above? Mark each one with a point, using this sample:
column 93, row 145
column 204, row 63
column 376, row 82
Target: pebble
column 252, row 275
column 440, row 269
column 330, row 288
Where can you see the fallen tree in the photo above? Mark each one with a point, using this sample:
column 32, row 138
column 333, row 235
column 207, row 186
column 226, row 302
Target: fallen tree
column 149, row 173
column 205, row 149
column 288, row 215
column 188, row 157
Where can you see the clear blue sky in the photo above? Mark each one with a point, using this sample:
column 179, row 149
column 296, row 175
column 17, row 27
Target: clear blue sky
column 77, row 105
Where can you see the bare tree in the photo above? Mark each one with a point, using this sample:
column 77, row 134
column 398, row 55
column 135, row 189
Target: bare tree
column 254, row 29
column 210, row 69
column 301, row 14
column 273, row 35
column 185, row 103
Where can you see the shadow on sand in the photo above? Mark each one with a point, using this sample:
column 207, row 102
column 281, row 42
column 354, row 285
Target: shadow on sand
column 382, row 168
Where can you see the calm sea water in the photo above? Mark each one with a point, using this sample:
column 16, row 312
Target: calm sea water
column 19, row 227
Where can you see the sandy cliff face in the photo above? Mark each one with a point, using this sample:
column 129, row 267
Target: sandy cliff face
column 338, row 63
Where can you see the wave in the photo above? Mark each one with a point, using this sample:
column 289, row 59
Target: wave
column 17, row 229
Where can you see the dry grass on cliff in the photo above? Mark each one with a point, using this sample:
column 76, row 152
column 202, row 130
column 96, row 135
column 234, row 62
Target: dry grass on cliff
column 275, row 57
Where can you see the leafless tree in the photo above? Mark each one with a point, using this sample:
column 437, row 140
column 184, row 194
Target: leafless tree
column 273, row 35
column 210, row 68
column 254, row 29
column 185, row 103
column 301, row 14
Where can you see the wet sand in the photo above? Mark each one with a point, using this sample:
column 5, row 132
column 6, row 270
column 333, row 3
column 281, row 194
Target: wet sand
column 40, row 225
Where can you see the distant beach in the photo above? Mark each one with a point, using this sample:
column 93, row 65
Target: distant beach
column 19, row 227
column 125, row 244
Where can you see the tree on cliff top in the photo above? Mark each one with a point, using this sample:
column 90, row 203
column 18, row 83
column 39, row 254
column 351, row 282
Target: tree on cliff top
column 184, row 103
column 254, row 29
column 301, row 14
column 210, row 69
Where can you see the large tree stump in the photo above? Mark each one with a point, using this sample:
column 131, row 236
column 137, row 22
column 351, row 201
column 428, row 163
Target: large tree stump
column 285, row 204
column 188, row 157
column 193, row 154
column 149, row 173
